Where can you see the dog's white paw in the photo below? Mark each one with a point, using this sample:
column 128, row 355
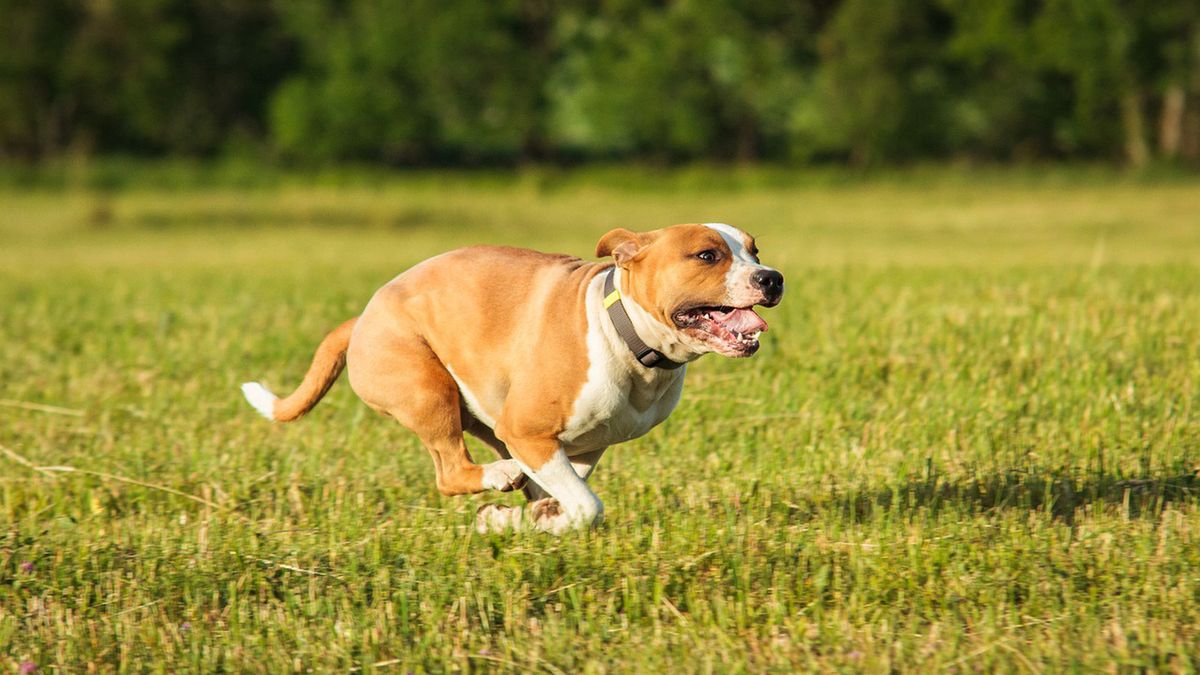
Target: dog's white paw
column 545, row 515
column 548, row 515
column 503, row 475
column 497, row 518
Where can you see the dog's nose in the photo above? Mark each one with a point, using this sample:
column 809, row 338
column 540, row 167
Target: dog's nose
column 770, row 283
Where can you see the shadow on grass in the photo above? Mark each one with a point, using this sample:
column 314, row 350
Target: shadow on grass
column 1061, row 492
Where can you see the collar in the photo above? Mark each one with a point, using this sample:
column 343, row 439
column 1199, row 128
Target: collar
column 645, row 354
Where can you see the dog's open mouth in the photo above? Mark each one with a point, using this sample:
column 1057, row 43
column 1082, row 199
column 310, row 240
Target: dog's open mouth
column 733, row 331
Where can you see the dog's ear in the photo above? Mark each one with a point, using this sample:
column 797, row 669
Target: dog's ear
column 621, row 244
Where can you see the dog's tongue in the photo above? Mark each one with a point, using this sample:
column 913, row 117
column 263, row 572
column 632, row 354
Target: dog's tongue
column 741, row 320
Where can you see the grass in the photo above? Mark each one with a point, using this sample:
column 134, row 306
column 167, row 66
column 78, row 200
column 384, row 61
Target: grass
column 970, row 441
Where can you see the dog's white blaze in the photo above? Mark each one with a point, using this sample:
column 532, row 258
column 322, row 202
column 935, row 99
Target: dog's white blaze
column 471, row 400
column 737, row 279
column 261, row 398
column 578, row 505
column 736, row 241
column 620, row 398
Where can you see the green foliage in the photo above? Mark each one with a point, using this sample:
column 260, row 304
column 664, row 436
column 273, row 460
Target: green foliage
column 409, row 81
column 135, row 75
column 882, row 90
column 970, row 440
column 680, row 80
column 1002, row 94
column 406, row 82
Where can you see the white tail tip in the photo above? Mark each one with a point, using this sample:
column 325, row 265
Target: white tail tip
column 261, row 398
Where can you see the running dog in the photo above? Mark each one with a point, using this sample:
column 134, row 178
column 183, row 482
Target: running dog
column 547, row 358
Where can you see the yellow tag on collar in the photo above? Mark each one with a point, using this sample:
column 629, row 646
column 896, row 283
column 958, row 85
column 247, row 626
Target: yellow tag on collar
column 612, row 298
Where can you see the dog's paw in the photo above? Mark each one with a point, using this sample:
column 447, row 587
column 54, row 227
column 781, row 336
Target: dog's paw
column 544, row 509
column 503, row 475
column 548, row 515
column 497, row 518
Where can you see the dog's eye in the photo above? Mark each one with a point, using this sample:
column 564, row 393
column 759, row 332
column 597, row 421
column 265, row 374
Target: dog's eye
column 709, row 256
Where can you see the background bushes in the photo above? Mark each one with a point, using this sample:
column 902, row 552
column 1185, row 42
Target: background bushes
column 451, row 82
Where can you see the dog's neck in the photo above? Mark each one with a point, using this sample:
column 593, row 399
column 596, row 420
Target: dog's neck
column 653, row 332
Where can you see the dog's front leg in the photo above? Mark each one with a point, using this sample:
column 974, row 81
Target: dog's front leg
column 584, row 464
column 497, row 517
column 571, row 503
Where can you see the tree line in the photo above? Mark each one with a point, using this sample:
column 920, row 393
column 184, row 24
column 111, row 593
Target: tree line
column 414, row 82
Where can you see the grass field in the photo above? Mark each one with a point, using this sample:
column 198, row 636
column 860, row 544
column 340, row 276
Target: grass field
column 970, row 441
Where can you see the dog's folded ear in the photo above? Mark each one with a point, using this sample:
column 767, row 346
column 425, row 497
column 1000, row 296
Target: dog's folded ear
column 623, row 245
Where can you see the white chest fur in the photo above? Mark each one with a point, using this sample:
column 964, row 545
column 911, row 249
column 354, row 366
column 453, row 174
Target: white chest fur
column 621, row 399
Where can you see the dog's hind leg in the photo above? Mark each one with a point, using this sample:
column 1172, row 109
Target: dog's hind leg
column 402, row 377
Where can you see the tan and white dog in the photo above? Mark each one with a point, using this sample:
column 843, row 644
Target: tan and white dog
column 547, row 358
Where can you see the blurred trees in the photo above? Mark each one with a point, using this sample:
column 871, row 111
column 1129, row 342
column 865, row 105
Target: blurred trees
column 142, row 76
column 414, row 80
column 464, row 81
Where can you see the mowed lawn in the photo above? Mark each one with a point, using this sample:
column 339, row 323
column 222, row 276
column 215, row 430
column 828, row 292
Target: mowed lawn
column 970, row 440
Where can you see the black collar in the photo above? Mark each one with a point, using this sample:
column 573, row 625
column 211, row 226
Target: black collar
column 645, row 354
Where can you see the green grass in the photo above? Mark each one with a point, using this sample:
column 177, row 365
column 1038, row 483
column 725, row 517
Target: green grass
column 970, row 440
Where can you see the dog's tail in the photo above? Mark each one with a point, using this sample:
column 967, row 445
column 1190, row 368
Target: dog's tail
column 327, row 364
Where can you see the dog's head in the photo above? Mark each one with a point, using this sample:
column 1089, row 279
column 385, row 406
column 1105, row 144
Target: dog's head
column 701, row 282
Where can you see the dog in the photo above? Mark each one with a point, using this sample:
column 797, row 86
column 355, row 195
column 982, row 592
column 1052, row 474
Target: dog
column 547, row 358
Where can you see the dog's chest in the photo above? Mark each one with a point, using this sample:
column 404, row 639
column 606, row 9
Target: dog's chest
column 616, row 405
